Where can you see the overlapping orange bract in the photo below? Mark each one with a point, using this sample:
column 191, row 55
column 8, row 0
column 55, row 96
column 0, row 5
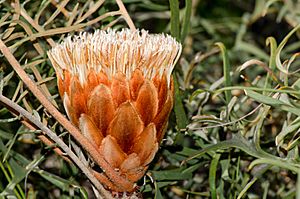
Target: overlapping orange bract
column 117, row 97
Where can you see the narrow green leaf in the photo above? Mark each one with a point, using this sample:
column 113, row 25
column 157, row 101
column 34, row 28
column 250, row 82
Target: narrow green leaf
column 292, row 127
column 173, row 174
column 175, row 29
column 196, row 93
column 5, row 135
column 226, row 70
column 19, row 158
column 180, row 114
column 11, row 141
column 264, row 99
column 18, row 173
column 238, row 141
column 148, row 187
column 272, row 102
column 291, row 109
column 212, row 175
column 59, row 182
column 5, row 172
column 186, row 20
column 192, row 168
column 282, row 164
column 280, row 47
column 282, row 90
column 157, row 192
column 272, row 61
column 245, row 189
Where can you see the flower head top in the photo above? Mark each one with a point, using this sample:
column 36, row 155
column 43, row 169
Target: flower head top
column 111, row 52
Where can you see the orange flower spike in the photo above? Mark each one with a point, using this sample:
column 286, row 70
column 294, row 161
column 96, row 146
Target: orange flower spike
column 118, row 90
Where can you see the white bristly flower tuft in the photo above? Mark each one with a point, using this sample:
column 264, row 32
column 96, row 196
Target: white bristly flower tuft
column 112, row 51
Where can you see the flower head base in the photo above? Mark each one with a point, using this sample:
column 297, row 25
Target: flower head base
column 117, row 89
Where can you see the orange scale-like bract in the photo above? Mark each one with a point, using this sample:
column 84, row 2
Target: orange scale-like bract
column 117, row 89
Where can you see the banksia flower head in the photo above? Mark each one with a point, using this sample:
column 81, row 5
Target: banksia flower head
column 117, row 89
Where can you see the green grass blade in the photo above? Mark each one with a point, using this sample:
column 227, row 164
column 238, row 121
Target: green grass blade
column 273, row 102
column 173, row 174
column 180, row 114
column 226, row 70
column 280, row 47
column 275, row 162
column 186, row 20
column 281, row 90
column 175, row 29
column 264, row 99
column 245, row 189
column 238, row 141
column 181, row 119
column 272, row 61
column 157, row 192
column 212, row 175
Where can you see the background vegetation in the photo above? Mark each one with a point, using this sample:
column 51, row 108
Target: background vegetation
column 234, row 131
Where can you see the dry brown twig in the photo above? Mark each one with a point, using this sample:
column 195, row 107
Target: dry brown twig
column 77, row 26
column 125, row 15
column 63, row 10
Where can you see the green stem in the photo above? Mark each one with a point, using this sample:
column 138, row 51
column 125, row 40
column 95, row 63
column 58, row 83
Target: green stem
column 18, row 185
column 212, row 175
column 174, row 6
column 9, row 179
column 186, row 20
column 272, row 61
column 226, row 70
column 180, row 114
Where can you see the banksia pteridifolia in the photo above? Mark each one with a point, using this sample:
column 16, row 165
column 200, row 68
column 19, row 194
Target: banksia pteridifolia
column 117, row 89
